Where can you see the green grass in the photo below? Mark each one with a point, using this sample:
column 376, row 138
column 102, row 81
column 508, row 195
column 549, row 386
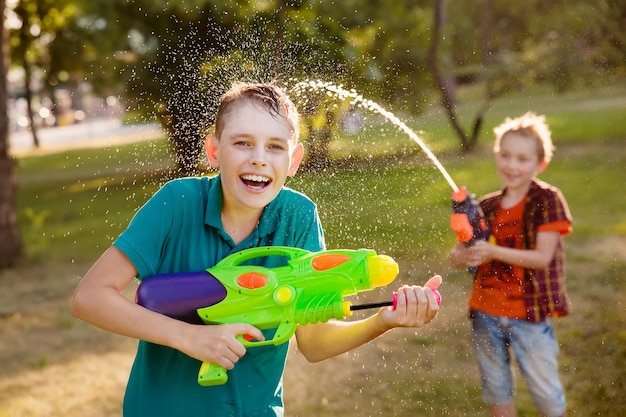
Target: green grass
column 77, row 201
column 383, row 193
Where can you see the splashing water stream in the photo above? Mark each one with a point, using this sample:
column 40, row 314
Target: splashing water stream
column 355, row 98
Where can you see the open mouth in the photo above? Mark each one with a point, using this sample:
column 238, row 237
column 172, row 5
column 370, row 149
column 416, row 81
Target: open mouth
column 256, row 181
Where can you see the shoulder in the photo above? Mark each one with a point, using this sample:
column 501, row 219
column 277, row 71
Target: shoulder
column 543, row 190
column 491, row 202
column 538, row 184
column 187, row 184
column 495, row 195
column 185, row 190
column 293, row 199
column 547, row 202
column 186, row 194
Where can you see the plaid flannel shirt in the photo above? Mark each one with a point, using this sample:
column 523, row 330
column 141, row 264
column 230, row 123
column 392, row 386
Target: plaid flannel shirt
column 544, row 289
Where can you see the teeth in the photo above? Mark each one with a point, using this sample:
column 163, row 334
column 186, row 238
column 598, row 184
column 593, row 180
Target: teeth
column 255, row 178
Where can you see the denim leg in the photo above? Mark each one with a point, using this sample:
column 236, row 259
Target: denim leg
column 536, row 350
column 491, row 347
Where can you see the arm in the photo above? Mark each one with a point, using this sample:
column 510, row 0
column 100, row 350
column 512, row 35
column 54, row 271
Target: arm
column 416, row 306
column 482, row 251
column 98, row 301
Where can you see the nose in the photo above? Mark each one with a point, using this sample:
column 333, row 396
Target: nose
column 258, row 157
column 514, row 165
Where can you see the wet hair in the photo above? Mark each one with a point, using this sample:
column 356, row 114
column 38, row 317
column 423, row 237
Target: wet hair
column 528, row 125
column 269, row 96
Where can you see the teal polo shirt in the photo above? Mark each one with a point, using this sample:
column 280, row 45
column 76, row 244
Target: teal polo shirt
column 180, row 229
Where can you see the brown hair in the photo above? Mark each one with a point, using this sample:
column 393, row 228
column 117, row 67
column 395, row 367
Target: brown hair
column 529, row 125
column 269, row 96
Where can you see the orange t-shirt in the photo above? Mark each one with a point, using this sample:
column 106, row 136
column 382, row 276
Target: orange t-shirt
column 499, row 287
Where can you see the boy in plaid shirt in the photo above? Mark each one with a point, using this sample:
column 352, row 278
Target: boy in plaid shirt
column 519, row 282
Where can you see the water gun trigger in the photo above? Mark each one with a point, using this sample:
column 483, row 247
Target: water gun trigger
column 211, row 374
column 282, row 334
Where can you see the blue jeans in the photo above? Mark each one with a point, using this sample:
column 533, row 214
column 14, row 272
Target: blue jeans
column 536, row 351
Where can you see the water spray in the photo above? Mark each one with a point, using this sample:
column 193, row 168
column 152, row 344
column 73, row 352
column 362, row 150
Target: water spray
column 357, row 99
column 467, row 219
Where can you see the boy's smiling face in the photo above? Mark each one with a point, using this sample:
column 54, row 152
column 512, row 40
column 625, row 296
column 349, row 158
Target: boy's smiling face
column 518, row 161
column 255, row 154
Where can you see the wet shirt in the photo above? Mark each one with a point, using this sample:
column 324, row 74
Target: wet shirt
column 179, row 230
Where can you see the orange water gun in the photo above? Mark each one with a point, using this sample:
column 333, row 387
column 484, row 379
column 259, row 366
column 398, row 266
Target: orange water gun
column 467, row 219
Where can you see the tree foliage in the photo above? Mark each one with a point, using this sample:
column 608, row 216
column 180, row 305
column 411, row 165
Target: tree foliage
column 57, row 44
column 172, row 60
column 506, row 46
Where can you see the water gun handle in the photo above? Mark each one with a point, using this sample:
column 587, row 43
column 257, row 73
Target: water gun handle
column 467, row 220
column 211, row 374
column 392, row 303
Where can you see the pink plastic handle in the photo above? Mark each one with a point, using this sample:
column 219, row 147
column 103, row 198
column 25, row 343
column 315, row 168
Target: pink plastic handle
column 395, row 298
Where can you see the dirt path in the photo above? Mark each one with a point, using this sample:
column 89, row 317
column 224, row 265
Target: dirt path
column 94, row 134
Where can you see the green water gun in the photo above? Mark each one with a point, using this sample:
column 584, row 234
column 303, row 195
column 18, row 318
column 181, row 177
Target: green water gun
column 310, row 288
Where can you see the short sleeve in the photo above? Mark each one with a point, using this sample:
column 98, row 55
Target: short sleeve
column 555, row 215
column 142, row 241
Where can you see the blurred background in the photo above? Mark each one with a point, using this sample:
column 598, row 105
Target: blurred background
column 76, row 61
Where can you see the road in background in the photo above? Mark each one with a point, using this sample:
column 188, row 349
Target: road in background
column 92, row 133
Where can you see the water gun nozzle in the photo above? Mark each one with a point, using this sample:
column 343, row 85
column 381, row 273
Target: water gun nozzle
column 459, row 195
column 382, row 269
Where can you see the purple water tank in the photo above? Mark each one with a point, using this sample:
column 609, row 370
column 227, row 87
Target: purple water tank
column 179, row 295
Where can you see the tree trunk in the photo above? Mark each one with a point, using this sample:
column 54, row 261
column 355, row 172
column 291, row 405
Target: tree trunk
column 318, row 144
column 10, row 237
column 28, row 95
column 445, row 87
column 448, row 100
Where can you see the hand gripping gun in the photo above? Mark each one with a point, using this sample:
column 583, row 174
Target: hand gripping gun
column 467, row 219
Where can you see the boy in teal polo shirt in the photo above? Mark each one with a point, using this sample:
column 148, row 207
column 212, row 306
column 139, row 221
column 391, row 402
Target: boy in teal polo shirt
column 190, row 225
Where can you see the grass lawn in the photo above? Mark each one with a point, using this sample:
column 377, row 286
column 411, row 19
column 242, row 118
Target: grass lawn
column 386, row 196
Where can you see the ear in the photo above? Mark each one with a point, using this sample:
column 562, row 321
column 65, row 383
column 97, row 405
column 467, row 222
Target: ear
column 211, row 145
column 296, row 158
column 542, row 166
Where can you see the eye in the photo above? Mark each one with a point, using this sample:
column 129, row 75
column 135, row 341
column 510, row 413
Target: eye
column 277, row 145
column 241, row 143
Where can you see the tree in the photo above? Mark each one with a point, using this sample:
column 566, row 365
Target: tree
column 445, row 80
column 10, row 237
column 41, row 22
column 184, row 56
column 506, row 46
column 60, row 44
column 377, row 51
